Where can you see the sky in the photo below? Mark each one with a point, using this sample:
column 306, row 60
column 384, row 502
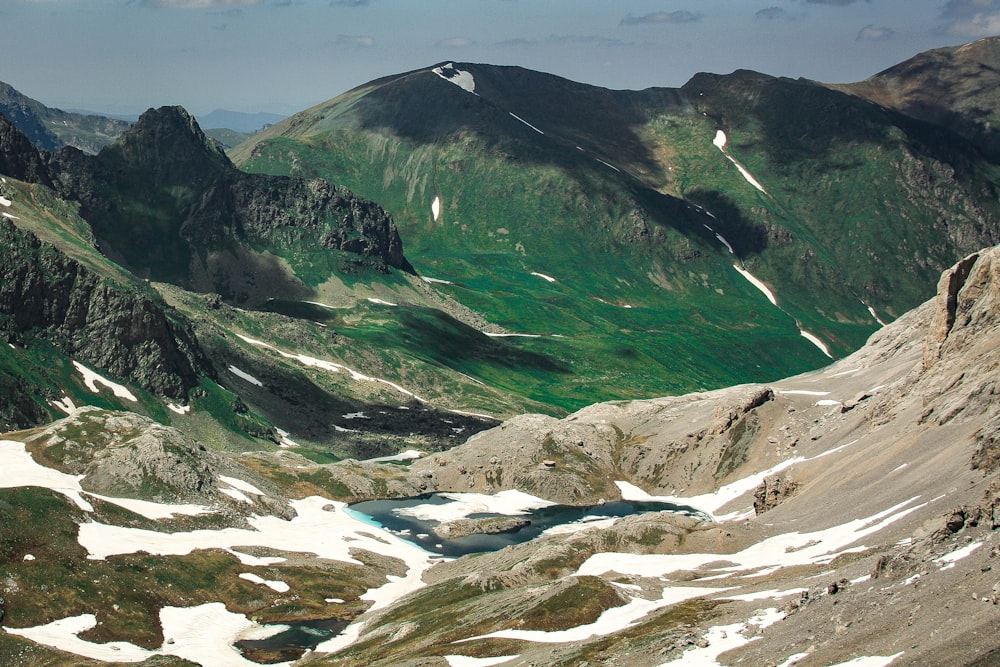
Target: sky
column 282, row 56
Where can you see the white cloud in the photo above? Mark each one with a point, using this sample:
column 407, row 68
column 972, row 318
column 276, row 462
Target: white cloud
column 679, row 16
column 874, row 33
column 978, row 25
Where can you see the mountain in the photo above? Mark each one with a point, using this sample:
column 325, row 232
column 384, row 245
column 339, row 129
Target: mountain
column 166, row 202
column 238, row 121
column 81, row 329
column 752, row 223
column 956, row 87
column 51, row 129
column 847, row 514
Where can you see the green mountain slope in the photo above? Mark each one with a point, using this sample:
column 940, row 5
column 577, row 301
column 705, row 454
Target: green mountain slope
column 612, row 223
column 81, row 330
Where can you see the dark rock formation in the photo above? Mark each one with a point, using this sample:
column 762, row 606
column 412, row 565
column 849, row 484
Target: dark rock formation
column 124, row 330
column 164, row 197
column 18, row 157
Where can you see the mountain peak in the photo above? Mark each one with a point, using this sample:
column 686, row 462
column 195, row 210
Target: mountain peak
column 169, row 141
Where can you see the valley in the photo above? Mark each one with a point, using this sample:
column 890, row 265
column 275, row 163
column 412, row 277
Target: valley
column 475, row 365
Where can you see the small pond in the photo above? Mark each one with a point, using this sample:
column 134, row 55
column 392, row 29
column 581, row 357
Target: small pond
column 386, row 514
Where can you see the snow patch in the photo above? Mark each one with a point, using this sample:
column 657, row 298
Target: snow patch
column 464, row 661
column 203, row 634
column 28, row 557
column 285, row 442
column 408, row 455
column 329, row 366
column 724, row 242
column 509, row 503
column 92, row 379
column 543, row 276
column 245, row 376
column 608, row 164
column 460, row 78
column 10, row 217
column 436, row 208
column 437, row 281
column 757, row 283
column 65, row 404
column 720, row 143
column 773, row 553
column 179, row 409
column 816, row 341
column 276, row 586
column 869, row 661
column 241, row 485
column 515, row 116
column 948, row 560
column 236, row 495
column 874, row 314
column 5, row 202
column 610, row 621
column 382, row 302
column 765, row 595
column 827, row 402
column 722, row 638
column 21, row 470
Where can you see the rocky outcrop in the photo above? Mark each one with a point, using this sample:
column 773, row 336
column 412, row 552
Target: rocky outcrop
column 453, row 530
column 164, row 198
column 18, row 157
column 772, row 492
column 125, row 330
column 126, row 455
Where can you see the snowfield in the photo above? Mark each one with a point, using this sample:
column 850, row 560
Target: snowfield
column 460, row 78
column 92, row 379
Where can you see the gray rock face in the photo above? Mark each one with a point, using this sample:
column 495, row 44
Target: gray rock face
column 121, row 329
column 122, row 454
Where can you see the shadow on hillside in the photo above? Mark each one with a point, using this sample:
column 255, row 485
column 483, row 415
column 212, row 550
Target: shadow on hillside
column 552, row 113
column 745, row 236
column 804, row 121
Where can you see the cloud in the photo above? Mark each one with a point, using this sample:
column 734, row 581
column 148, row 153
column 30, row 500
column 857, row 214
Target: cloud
column 350, row 3
column 354, row 41
column 972, row 18
column 199, row 4
column 837, row 3
column 875, row 33
column 772, row 13
column 967, row 9
column 455, row 43
column 680, row 16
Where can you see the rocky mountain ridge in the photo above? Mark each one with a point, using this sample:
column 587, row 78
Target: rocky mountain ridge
column 165, row 179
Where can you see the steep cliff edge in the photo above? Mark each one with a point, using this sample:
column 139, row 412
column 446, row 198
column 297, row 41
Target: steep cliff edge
column 123, row 329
